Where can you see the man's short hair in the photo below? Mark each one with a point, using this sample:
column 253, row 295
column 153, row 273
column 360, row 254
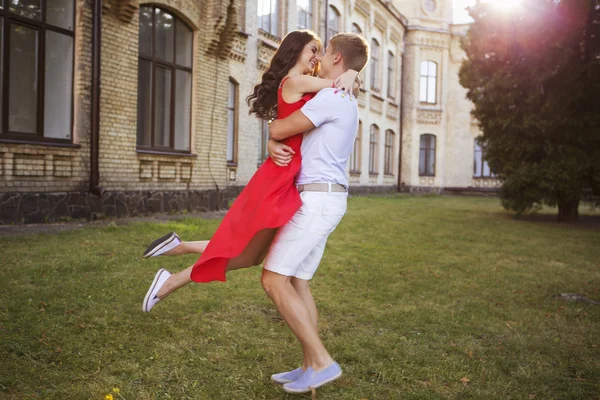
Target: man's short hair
column 353, row 48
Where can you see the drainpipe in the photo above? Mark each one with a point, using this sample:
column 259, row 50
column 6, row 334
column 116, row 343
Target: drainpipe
column 95, row 187
column 401, row 114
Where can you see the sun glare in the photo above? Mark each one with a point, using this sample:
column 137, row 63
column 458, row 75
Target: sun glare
column 506, row 4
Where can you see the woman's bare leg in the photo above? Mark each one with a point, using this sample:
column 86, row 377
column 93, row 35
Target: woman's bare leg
column 255, row 251
column 249, row 257
column 188, row 248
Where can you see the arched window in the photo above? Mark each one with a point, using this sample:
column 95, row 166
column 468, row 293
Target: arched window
column 36, row 64
column 164, row 81
column 333, row 22
column 305, row 14
column 374, row 134
column 356, row 29
column 427, row 155
column 375, row 57
column 232, row 121
column 481, row 169
column 268, row 16
column 428, row 82
column 355, row 156
column 391, row 78
column 389, row 152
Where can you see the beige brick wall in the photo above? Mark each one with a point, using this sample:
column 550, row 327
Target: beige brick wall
column 124, row 168
column 41, row 168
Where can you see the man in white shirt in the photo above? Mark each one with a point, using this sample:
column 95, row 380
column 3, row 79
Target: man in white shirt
column 330, row 121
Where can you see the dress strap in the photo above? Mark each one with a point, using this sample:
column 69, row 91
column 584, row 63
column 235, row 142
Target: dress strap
column 283, row 81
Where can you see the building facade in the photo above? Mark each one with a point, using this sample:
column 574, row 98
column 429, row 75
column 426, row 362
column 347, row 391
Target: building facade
column 125, row 107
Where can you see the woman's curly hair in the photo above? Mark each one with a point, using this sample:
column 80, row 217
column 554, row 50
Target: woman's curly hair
column 263, row 100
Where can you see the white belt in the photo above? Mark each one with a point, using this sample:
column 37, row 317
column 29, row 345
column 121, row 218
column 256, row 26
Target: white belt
column 322, row 187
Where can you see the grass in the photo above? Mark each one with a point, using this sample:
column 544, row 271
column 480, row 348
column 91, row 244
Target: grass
column 419, row 297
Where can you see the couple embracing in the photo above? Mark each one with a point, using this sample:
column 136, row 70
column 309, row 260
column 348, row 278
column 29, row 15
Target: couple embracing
column 294, row 200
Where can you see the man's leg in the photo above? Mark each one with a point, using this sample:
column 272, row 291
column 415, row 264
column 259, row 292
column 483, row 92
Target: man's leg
column 302, row 287
column 294, row 312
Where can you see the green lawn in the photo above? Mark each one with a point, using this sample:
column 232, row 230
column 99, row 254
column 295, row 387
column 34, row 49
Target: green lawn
column 420, row 298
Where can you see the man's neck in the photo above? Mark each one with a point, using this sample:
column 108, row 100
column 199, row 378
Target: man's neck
column 334, row 73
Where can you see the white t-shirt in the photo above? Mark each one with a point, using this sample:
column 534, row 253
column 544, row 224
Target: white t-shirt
column 326, row 149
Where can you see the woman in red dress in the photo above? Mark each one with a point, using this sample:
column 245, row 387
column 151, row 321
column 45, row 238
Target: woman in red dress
column 270, row 198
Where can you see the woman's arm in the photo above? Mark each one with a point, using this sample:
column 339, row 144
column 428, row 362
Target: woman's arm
column 299, row 85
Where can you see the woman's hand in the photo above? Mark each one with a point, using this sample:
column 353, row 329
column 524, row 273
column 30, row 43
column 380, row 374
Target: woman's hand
column 346, row 81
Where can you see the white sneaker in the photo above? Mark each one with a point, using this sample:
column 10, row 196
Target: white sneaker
column 151, row 298
column 162, row 245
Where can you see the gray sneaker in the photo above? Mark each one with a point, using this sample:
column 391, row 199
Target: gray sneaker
column 162, row 245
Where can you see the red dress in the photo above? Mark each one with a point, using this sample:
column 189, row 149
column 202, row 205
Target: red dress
column 268, row 201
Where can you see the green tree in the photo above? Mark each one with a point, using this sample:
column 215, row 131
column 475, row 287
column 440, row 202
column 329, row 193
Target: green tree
column 531, row 75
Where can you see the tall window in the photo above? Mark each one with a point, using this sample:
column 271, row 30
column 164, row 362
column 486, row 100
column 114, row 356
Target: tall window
column 358, row 30
column 427, row 155
column 164, row 81
column 268, row 16
column 389, row 152
column 375, row 84
column 374, row 134
column 263, row 143
column 428, row 82
column 232, row 122
column 333, row 22
column 355, row 156
column 481, row 169
column 305, row 14
column 36, row 69
column 391, row 78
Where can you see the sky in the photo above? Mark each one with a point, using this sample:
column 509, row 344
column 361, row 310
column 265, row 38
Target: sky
column 460, row 14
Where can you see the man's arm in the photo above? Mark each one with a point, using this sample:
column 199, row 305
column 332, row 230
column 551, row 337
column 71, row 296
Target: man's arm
column 296, row 123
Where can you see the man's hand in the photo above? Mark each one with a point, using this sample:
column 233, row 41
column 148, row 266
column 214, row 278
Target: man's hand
column 280, row 153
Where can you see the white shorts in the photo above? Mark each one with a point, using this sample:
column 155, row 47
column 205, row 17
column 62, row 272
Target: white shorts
column 298, row 247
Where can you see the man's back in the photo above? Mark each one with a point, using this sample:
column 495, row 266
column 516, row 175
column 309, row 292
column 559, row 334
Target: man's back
column 326, row 149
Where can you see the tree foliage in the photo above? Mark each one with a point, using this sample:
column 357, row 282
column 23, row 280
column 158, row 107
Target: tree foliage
column 533, row 79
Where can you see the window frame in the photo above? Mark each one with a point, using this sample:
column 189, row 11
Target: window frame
column 389, row 152
column 274, row 20
column 375, row 67
column 41, row 27
column 427, row 79
column 173, row 67
column 373, row 149
column 338, row 16
column 356, row 156
column 391, row 79
column 233, row 162
column 481, row 149
column 309, row 15
column 429, row 150
column 263, row 153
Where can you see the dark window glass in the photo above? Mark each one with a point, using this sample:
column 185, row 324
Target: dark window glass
column 375, row 65
column 268, row 16
column 164, row 81
column 23, row 83
column 389, row 151
column 333, row 22
column 355, row 156
column 232, row 122
column 427, row 155
column 374, row 134
column 36, row 60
